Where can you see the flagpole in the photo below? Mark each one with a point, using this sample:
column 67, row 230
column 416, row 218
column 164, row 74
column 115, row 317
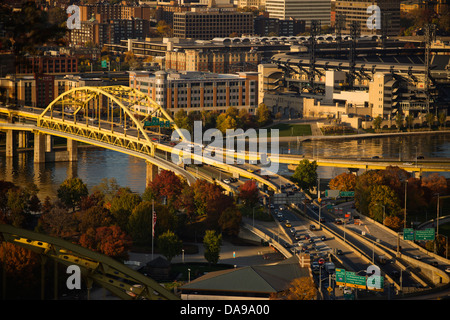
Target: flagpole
column 153, row 223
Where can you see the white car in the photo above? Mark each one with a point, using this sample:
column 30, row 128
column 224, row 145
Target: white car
column 447, row 269
column 227, row 181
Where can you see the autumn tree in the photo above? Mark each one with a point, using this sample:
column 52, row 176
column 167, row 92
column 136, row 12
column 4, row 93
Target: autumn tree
column 263, row 116
column 165, row 187
column 299, row 289
column 20, row 267
column 169, row 245
column 94, row 217
column 58, row 222
column 111, row 241
column 343, row 182
column 248, row 193
column 230, row 221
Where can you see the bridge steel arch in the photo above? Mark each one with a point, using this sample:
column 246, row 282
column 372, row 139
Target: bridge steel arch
column 109, row 273
column 127, row 99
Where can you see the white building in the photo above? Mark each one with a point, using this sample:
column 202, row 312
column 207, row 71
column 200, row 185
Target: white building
column 305, row 10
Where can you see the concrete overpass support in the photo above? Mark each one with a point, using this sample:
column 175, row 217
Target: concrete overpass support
column 48, row 143
column 23, row 139
column 72, row 148
column 10, row 143
column 39, row 147
column 152, row 171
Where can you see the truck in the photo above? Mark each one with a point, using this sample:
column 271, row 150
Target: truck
column 329, row 267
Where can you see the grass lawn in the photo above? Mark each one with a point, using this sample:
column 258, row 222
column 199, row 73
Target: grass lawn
column 287, row 130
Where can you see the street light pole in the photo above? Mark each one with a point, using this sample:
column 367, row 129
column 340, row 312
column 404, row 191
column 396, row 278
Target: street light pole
column 406, row 188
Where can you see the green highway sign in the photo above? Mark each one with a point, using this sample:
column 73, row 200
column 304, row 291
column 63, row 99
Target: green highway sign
column 104, row 64
column 353, row 280
column 157, row 122
column 426, row 234
column 340, row 277
column 408, row 234
column 347, row 193
column 420, row 235
column 375, row 283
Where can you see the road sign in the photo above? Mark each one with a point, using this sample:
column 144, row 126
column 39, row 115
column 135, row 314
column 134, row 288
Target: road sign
column 104, row 64
column 408, row 234
column 347, row 193
column 426, row 234
column 355, row 281
column 340, row 277
column 419, row 235
column 351, row 279
column 156, row 122
column 332, row 193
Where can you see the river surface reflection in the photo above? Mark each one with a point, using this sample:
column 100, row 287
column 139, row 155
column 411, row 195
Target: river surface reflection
column 94, row 164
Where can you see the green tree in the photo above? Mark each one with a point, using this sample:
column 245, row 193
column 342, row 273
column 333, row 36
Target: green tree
column 377, row 122
column 382, row 195
column 212, row 243
column 122, row 206
column 71, row 192
column 442, row 118
column 399, row 120
column 140, row 223
column 409, row 120
column 263, row 115
column 305, row 175
column 430, row 119
column 169, row 245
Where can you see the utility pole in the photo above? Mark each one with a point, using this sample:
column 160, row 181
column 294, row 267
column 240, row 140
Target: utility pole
column 355, row 32
column 430, row 34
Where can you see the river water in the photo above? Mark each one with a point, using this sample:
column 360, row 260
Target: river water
column 94, row 164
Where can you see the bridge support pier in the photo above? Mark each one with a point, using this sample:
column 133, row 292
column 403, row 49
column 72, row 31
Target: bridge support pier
column 39, row 147
column 72, row 148
column 152, row 171
column 23, row 139
column 11, row 149
column 48, row 143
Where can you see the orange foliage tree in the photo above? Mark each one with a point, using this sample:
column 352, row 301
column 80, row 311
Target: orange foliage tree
column 299, row 289
column 343, row 182
column 111, row 241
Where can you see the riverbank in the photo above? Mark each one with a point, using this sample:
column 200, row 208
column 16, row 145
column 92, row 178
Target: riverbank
column 357, row 136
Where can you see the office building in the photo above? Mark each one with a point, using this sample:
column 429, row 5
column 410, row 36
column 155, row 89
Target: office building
column 198, row 91
column 354, row 10
column 304, row 10
column 209, row 23
column 212, row 61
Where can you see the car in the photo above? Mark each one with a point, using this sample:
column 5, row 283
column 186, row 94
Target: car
column 420, row 157
column 447, row 269
column 435, row 264
column 312, row 227
column 227, row 181
column 307, row 237
column 311, row 240
column 417, row 257
column 322, row 220
column 292, row 230
column 250, row 170
column 323, row 238
column 375, row 157
column 338, row 252
column 288, row 224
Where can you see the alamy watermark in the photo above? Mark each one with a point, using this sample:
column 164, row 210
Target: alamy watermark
column 73, row 21
column 237, row 147
column 374, row 21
